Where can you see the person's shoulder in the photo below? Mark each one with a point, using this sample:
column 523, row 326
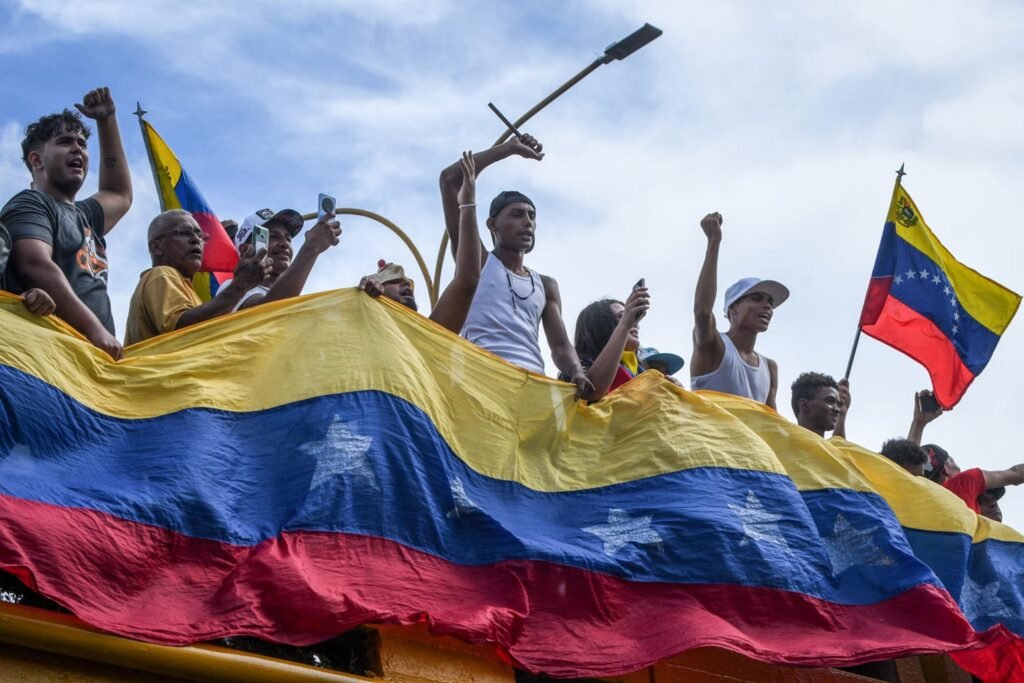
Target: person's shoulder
column 29, row 199
column 160, row 273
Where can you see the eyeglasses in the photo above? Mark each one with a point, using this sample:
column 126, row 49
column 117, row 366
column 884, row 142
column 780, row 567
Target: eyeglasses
column 185, row 233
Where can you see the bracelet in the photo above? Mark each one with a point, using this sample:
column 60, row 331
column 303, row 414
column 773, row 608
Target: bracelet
column 467, row 206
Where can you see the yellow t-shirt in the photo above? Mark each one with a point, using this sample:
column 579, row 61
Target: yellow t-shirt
column 161, row 297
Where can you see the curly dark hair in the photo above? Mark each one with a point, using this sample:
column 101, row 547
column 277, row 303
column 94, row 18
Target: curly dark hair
column 904, row 453
column 594, row 327
column 806, row 386
column 36, row 134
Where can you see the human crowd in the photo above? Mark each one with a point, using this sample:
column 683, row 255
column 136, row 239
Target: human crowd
column 53, row 254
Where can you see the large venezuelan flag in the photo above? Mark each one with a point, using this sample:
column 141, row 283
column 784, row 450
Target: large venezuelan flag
column 925, row 303
column 178, row 191
column 300, row 468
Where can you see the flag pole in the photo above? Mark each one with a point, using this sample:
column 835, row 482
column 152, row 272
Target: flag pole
column 140, row 112
column 856, row 339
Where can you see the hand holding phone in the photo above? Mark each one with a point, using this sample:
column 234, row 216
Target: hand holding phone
column 326, row 204
column 260, row 239
column 928, row 403
column 640, row 284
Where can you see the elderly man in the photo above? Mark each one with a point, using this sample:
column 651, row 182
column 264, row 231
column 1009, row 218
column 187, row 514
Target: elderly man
column 59, row 243
column 164, row 299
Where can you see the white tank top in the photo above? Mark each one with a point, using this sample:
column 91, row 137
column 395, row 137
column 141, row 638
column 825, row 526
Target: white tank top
column 735, row 376
column 504, row 317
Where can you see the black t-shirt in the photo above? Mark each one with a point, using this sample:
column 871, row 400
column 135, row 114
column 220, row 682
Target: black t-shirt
column 75, row 232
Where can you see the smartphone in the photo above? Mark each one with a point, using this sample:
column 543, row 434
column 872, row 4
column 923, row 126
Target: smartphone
column 640, row 284
column 326, row 204
column 928, row 403
column 260, row 239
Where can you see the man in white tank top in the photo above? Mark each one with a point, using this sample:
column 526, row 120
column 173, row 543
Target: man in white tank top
column 511, row 300
column 728, row 362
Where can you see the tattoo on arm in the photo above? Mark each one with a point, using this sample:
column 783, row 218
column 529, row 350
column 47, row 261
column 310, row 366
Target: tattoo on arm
column 110, row 162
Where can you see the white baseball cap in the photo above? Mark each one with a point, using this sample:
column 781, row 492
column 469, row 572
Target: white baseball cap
column 754, row 285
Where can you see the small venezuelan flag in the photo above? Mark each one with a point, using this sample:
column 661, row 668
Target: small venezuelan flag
column 178, row 191
column 925, row 303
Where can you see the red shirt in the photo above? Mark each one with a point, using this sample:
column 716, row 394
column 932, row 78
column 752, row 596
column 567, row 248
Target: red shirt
column 969, row 484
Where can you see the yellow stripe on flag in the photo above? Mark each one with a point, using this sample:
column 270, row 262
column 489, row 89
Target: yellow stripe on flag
column 984, row 299
column 165, row 166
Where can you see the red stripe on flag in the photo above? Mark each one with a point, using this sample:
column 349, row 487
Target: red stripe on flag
column 220, row 253
column 152, row 584
column 874, row 300
column 906, row 330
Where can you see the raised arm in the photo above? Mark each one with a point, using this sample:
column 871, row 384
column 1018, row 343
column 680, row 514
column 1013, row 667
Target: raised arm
column 921, row 418
column 602, row 371
column 250, row 271
column 708, row 347
column 115, row 183
column 321, row 237
column 453, row 305
column 773, row 383
column 562, row 351
column 451, row 179
column 1011, row 477
column 32, row 260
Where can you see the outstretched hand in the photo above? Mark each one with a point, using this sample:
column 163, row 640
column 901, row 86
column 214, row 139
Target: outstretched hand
column 527, row 147
column 712, row 225
column 467, row 193
column 97, row 104
column 324, row 235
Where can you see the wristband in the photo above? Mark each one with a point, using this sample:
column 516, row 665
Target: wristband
column 467, row 206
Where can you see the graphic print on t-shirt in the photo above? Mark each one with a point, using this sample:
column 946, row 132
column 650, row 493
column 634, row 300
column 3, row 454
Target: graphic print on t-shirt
column 91, row 256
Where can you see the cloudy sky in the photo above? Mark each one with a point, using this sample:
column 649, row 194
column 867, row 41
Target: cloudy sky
column 788, row 118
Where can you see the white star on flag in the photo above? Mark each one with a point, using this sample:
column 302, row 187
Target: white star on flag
column 955, row 329
column 983, row 600
column 341, row 452
column 898, row 279
column 911, row 275
column 956, row 315
column 848, row 547
column 622, row 530
column 925, row 274
column 758, row 523
column 936, row 280
column 946, row 290
column 463, row 503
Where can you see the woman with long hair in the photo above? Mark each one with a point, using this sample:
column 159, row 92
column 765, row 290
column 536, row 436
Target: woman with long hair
column 607, row 340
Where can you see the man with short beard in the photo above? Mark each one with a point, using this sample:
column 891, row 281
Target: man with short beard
column 59, row 244
column 728, row 363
